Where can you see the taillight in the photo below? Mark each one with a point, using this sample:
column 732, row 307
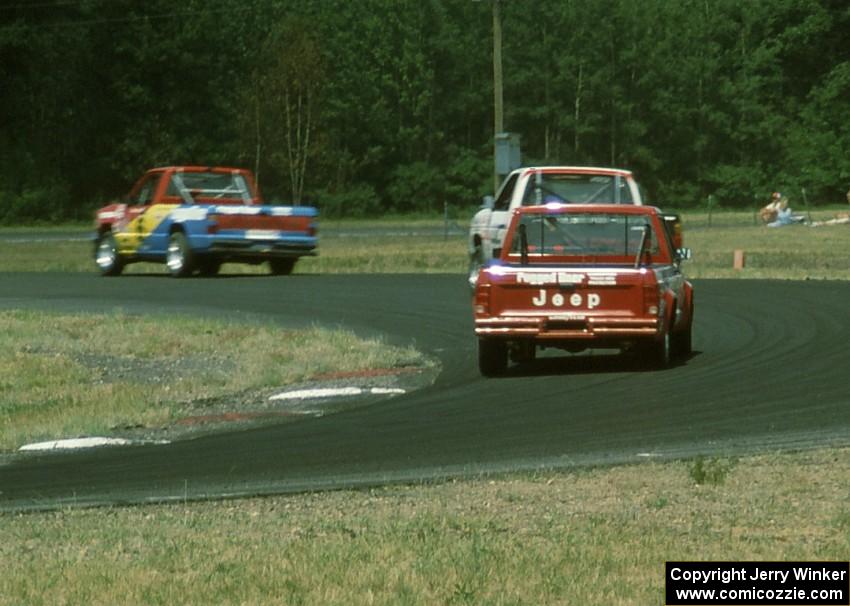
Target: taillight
column 650, row 297
column 312, row 229
column 212, row 224
column 481, row 304
column 481, row 299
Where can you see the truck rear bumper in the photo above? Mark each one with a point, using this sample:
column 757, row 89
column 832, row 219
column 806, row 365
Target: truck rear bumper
column 557, row 329
column 246, row 248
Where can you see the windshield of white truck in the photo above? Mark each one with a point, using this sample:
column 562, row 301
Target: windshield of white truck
column 544, row 188
column 582, row 235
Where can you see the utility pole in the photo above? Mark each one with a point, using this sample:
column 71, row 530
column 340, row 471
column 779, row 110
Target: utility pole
column 498, row 102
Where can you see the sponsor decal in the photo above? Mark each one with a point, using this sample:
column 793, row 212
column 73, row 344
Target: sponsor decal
column 536, row 278
column 568, row 278
column 237, row 210
column 551, row 277
column 262, row 234
column 590, row 300
column 602, row 280
column 568, row 317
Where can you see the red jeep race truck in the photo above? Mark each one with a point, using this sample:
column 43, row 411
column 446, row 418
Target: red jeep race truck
column 536, row 185
column 195, row 218
column 583, row 276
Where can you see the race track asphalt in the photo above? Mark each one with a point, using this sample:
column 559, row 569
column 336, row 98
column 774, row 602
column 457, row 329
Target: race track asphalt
column 769, row 372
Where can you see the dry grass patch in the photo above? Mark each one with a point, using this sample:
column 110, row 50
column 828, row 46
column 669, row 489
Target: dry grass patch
column 586, row 537
column 69, row 375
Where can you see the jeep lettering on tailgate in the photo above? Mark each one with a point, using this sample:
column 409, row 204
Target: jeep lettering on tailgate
column 591, row 300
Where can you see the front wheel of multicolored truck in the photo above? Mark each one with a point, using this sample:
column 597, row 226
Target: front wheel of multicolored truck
column 492, row 357
column 179, row 258
column 281, row 267
column 109, row 262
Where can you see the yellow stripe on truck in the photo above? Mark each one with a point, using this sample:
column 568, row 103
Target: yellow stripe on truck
column 131, row 236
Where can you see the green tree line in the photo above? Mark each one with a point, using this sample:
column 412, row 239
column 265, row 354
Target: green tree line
column 374, row 106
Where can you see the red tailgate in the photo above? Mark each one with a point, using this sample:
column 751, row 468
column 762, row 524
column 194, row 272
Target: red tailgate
column 566, row 304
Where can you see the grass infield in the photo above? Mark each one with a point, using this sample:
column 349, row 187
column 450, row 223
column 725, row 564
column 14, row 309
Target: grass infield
column 64, row 376
column 583, row 537
column 796, row 252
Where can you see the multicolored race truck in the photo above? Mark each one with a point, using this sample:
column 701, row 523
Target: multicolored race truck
column 195, row 218
column 575, row 277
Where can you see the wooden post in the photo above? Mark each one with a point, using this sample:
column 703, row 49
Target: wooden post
column 738, row 261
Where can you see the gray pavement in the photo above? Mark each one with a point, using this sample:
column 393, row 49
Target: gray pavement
column 768, row 373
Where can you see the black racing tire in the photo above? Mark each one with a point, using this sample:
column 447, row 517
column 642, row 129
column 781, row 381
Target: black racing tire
column 661, row 351
column 179, row 258
column 492, row 357
column 209, row 267
column 522, row 352
column 106, row 256
column 683, row 339
column 281, row 267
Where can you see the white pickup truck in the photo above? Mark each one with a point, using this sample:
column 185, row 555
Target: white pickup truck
column 534, row 186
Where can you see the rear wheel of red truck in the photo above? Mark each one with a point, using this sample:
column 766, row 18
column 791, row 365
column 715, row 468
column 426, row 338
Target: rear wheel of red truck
column 661, row 351
column 492, row 357
column 522, row 352
column 281, row 267
column 683, row 339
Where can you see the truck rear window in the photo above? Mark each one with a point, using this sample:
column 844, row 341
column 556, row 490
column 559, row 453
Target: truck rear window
column 210, row 186
column 586, row 234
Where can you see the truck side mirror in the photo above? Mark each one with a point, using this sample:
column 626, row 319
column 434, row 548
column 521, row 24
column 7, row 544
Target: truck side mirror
column 684, row 254
column 488, row 202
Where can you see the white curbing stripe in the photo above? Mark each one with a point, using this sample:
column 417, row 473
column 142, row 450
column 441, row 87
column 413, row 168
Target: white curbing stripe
column 330, row 392
column 333, row 392
column 76, row 443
